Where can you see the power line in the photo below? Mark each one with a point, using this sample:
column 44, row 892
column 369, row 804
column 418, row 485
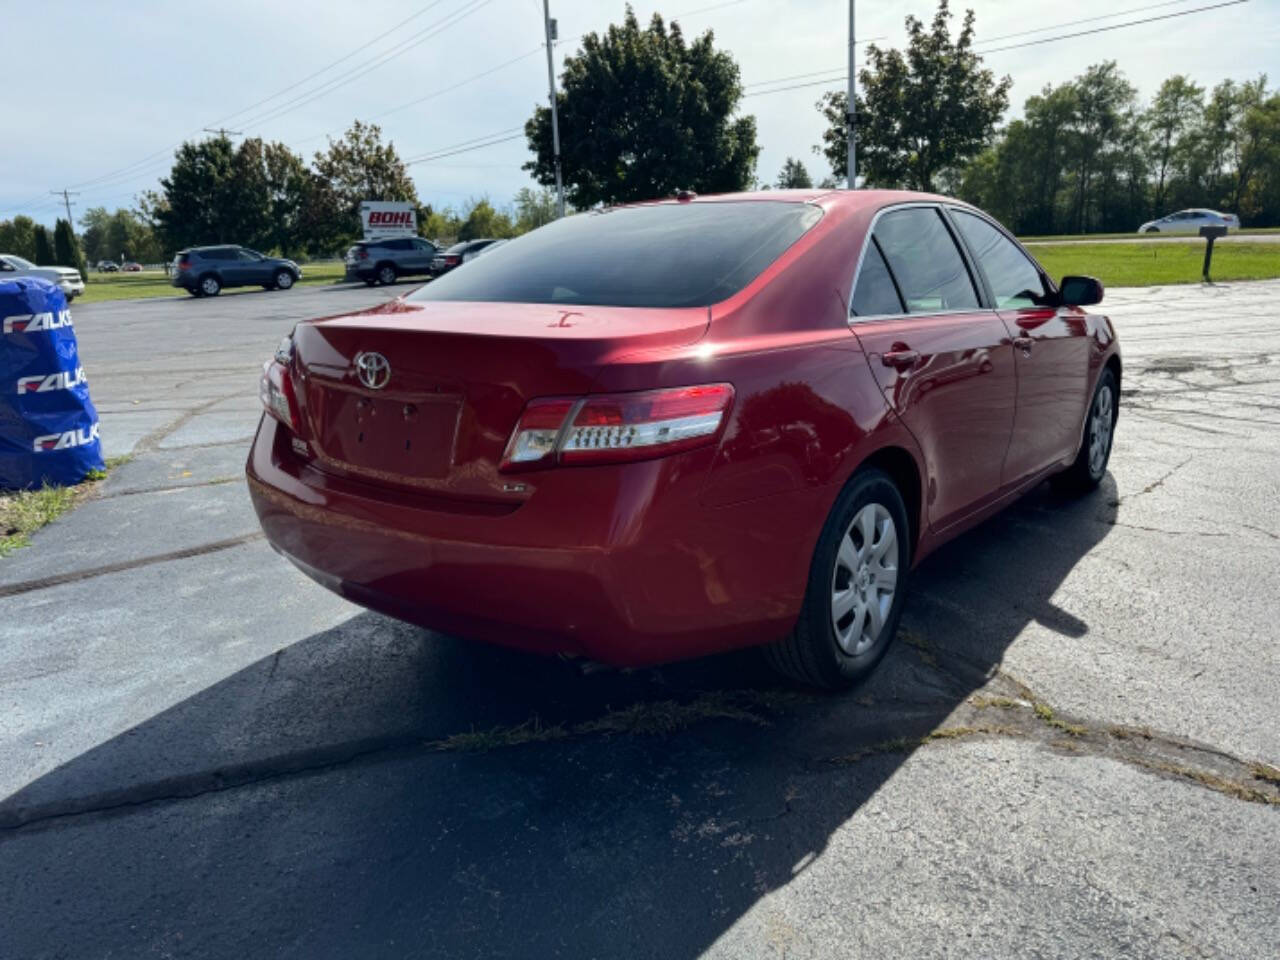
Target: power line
column 136, row 165
column 1074, row 23
column 843, row 76
column 514, row 131
column 369, row 66
column 330, row 66
column 451, row 153
column 1115, row 26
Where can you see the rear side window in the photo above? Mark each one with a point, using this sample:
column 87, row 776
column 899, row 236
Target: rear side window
column 925, row 261
column 875, row 294
column 1015, row 281
column 661, row 255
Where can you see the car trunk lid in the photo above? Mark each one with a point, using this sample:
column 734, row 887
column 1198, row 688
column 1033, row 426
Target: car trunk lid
column 424, row 396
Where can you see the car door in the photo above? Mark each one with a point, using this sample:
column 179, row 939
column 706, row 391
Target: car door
column 420, row 255
column 1051, row 348
column 944, row 361
column 257, row 268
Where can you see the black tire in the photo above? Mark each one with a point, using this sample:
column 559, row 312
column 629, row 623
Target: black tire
column 812, row 654
column 209, row 285
column 1153, row 229
column 1090, row 465
column 386, row 274
column 283, row 280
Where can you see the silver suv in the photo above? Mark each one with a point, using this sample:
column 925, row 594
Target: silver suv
column 385, row 261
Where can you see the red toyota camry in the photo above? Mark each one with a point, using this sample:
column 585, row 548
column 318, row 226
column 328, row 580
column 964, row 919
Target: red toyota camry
column 669, row 429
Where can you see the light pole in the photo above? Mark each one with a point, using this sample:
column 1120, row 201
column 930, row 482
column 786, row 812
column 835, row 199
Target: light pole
column 555, row 118
column 851, row 113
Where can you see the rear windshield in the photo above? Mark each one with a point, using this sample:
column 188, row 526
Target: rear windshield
column 665, row 255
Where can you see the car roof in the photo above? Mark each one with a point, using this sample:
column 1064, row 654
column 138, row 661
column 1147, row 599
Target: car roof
column 824, row 197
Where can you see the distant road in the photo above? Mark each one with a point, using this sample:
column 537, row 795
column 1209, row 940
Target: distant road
column 1157, row 238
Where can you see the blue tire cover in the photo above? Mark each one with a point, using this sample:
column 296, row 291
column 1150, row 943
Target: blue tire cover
column 48, row 427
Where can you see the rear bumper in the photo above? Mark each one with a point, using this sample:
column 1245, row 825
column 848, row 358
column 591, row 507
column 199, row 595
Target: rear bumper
column 620, row 564
column 357, row 273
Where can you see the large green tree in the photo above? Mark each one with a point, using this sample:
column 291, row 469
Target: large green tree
column 921, row 113
column 66, row 249
column 357, row 167
column 119, row 235
column 43, row 248
column 793, row 175
column 1175, row 111
column 18, row 237
column 644, row 113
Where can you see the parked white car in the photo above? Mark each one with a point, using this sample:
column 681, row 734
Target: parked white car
column 67, row 278
column 1190, row 221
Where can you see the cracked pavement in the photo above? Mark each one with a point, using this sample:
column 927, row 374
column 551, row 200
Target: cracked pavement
column 1071, row 751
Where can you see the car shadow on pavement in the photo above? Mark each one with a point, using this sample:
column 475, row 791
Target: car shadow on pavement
column 377, row 790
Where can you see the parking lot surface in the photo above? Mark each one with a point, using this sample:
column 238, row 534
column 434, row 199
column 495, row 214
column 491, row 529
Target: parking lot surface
column 1071, row 750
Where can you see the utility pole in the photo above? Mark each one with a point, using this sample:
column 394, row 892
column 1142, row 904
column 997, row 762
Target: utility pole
column 555, row 118
column 66, row 196
column 224, row 132
column 851, row 119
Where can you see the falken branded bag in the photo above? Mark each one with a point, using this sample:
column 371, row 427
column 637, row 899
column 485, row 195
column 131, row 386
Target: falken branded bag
column 48, row 427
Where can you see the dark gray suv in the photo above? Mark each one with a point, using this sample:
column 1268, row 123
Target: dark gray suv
column 204, row 271
column 385, row 261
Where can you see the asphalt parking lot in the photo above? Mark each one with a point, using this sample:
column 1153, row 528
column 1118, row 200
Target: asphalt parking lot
column 1065, row 755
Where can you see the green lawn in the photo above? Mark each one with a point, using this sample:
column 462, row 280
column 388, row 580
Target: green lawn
column 1140, row 264
column 1249, row 231
column 131, row 286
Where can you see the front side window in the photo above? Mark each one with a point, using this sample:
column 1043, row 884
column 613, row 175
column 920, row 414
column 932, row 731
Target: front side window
column 656, row 255
column 1015, row 281
column 924, row 259
column 875, row 295
column 19, row 263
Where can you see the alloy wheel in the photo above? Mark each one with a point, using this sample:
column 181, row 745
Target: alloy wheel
column 1101, row 423
column 864, row 579
column 284, row 280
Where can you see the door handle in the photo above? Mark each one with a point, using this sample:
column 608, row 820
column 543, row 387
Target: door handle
column 1024, row 344
column 900, row 359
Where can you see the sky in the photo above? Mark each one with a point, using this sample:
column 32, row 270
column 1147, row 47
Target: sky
column 98, row 95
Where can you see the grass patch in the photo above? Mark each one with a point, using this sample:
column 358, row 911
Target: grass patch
column 26, row 511
column 133, row 286
column 1141, row 264
column 1264, row 771
column 907, row 744
column 1003, row 703
column 1231, row 788
column 23, row 513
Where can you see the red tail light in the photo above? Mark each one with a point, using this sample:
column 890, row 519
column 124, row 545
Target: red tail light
column 618, row 427
column 362, row 254
column 452, row 261
column 184, row 264
column 275, row 389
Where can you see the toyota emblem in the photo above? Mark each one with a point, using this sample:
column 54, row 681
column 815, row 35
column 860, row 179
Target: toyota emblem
column 373, row 370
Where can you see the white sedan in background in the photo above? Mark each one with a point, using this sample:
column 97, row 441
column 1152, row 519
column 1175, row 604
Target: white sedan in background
column 1190, row 221
column 68, row 279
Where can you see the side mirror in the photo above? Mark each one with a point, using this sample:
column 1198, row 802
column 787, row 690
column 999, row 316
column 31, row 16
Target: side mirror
column 1080, row 291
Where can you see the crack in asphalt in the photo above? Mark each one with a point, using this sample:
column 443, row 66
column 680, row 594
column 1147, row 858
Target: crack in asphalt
column 1021, row 715
column 57, row 580
column 169, row 488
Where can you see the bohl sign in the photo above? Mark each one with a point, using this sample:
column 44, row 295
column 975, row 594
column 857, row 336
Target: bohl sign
column 388, row 218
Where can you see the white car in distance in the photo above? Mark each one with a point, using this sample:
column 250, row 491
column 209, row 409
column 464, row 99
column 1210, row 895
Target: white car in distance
column 68, row 279
column 1190, row 221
